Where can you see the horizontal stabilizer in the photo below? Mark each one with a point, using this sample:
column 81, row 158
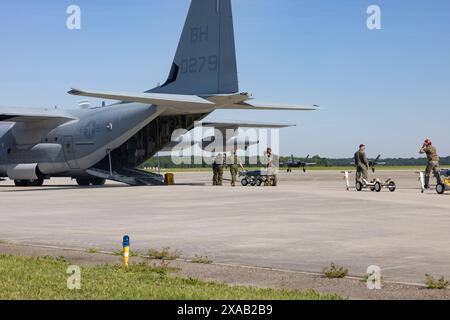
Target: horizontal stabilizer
column 160, row 99
column 11, row 114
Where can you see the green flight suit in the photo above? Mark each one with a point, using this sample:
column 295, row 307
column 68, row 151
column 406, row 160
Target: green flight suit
column 362, row 166
column 432, row 165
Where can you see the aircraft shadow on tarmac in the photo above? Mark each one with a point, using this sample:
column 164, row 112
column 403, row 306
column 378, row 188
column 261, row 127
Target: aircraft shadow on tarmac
column 69, row 187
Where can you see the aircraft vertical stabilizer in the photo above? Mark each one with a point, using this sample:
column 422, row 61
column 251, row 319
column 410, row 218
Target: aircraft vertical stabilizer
column 205, row 61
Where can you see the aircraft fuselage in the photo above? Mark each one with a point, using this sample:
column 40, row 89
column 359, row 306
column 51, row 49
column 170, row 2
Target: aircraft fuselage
column 72, row 147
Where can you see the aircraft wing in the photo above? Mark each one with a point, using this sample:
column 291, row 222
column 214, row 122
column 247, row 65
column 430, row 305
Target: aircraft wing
column 31, row 115
column 160, row 99
column 255, row 105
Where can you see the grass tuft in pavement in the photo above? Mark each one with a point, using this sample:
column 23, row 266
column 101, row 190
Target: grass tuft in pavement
column 432, row 283
column 201, row 259
column 164, row 254
column 334, row 271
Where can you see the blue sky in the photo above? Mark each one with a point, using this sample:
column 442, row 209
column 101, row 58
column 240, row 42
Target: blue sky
column 386, row 88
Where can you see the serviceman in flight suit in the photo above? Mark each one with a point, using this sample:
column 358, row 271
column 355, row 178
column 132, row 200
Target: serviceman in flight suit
column 433, row 162
column 362, row 164
column 234, row 166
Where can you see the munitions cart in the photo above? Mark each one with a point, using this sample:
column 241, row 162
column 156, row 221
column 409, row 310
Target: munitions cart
column 265, row 177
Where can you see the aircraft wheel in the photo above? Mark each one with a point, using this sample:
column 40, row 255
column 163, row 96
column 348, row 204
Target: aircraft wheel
column 377, row 187
column 29, row 183
column 440, row 188
column 35, row 183
column 392, row 187
column 359, row 186
column 21, row 183
column 244, row 182
column 84, row 182
column 98, row 182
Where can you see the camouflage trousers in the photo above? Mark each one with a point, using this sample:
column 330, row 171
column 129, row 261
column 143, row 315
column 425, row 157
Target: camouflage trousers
column 217, row 175
column 432, row 166
column 234, row 172
column 362, row 173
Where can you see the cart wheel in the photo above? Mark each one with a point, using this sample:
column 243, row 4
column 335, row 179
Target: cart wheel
column 359, row 186
column 244, row 182
column 377, row 186
column 259, row 182
column 392, row 187
column 274, row 181
column 440, row 188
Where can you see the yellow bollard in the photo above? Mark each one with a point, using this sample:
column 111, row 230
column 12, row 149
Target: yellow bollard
column 169, row 179
column 126, row 250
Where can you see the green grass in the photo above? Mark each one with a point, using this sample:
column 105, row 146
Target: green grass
column 46, row 278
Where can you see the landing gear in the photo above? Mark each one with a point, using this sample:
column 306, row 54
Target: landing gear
column 84, row 182
column 98, row 182
column 29, row 183
column 88, row 182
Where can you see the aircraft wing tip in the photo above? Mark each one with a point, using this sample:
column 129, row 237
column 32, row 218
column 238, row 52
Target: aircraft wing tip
column 74, row 92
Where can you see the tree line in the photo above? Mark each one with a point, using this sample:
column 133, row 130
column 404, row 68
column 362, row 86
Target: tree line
column 166, row 162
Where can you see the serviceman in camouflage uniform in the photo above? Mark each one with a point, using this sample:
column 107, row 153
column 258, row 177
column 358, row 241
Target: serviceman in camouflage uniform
column 234, row 166
column 433, row 162
column 218, row 170
column 222, row 169
column 362, row 164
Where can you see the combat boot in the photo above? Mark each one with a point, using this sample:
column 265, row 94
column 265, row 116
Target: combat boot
column 427, row 182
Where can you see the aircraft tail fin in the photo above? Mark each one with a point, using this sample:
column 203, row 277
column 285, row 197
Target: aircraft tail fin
column 205, row 61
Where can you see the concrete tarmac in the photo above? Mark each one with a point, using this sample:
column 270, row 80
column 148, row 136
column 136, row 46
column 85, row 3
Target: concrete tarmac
column 305, row 223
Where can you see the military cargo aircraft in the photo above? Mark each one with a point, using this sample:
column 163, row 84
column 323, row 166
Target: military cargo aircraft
column 108, row 142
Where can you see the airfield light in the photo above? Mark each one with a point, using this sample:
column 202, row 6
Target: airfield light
column 126, row 250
